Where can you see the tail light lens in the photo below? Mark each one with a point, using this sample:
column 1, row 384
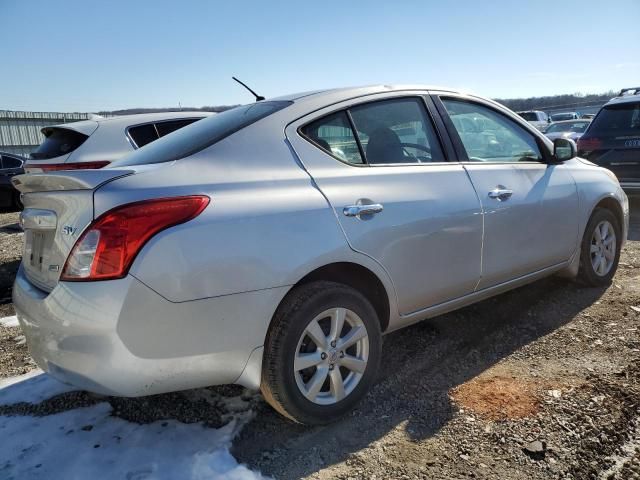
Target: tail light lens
column 52, row 167
column 588, row 145
column 107, row 248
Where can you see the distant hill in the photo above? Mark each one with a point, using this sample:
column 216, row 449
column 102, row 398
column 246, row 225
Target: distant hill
column 132, row 111
column 574, row 101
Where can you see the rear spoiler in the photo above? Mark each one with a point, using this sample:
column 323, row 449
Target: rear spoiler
column 67, row 180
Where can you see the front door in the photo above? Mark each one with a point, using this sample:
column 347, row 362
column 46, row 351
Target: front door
column 529, row 207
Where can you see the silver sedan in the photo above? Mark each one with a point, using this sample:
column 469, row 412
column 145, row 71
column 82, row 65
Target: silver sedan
column 272, row 245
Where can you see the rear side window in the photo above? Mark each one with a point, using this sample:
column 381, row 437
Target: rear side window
column 202, row 134
column 143, row 134
column 58, row 142
column 10, row 162
column 165, row 128
column 334, row 135
column 617, row 120
column 386, row 132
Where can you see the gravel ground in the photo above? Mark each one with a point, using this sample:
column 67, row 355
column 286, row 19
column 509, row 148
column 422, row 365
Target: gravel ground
column 542, row 382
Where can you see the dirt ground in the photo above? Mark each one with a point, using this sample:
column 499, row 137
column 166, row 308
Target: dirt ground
column 540, row 383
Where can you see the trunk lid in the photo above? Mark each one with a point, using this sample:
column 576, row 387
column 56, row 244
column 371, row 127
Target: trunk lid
column 58, row 206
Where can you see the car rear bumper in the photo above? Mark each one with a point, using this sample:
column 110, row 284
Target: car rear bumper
column 121, row 338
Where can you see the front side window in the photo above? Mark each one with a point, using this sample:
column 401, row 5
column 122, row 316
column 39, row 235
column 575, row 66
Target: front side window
column 386, row 132
column 489, row 136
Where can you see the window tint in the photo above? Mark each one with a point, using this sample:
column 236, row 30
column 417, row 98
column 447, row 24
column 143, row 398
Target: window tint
column 577, row 127
column 10, row 162
column 57, row 142
column 488, row 136
column 396, row 131
column 334, row 135
column 529, row 116
column 165, row 128
column 202, row 134
column 143, row 134
column 617, row 120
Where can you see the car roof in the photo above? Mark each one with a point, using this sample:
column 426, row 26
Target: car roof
column 624, row 99
column 88, row 126
column 339, row 94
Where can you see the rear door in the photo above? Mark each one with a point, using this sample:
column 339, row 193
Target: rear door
column 613, row 140
column 529, row 207
column 384, row 171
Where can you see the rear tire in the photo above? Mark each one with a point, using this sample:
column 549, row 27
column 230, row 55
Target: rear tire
column 322, row 353
column 600, row 249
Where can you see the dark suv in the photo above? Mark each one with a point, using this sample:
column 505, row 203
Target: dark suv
column 613, row 139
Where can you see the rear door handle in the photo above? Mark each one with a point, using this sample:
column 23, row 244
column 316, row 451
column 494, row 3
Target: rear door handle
column 501, row 193
column 357, row 210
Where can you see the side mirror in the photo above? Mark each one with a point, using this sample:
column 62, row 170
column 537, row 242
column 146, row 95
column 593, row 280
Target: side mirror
column 564, row 149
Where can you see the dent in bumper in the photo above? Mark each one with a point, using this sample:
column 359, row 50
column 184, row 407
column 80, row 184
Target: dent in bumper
column 120, row 338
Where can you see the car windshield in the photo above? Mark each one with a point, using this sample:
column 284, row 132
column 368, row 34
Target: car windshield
column 200, row 135
column 618, row 120
column 577, row 127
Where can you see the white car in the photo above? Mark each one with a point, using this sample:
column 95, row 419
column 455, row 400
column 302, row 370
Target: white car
column 538, row 119
column 95, row 143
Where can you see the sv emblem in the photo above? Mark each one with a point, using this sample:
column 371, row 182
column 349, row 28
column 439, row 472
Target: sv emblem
column 68, row 230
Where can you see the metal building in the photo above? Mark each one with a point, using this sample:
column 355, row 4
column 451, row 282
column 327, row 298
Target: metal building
column 20, row 131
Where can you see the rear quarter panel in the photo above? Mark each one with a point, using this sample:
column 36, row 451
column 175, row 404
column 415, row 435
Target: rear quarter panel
column 267, row 225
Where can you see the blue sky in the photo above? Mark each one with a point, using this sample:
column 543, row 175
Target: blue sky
column 81, row 55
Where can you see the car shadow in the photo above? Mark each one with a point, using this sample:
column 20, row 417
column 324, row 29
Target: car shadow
column 420, row 365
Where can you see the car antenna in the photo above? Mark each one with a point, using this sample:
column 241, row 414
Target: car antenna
column 258, row 97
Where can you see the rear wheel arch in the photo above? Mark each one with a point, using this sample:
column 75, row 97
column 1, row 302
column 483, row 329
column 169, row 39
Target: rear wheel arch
column 359, row 278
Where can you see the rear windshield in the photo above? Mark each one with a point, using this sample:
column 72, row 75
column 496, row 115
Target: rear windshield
column 529, row 116
column 58, row 141
column 617, row 120
column 576, row 127
column 201, row 134
column 558, row 117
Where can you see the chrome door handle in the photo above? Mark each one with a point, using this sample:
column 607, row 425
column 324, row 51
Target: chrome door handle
column 357, row 210
column 501, row 193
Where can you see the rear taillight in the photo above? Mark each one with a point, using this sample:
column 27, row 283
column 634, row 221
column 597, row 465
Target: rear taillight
column 588, row 145
column 52, row 167
column 107, row 248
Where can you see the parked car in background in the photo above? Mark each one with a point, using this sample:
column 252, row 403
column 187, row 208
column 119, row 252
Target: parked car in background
column 91, row 144
column 588, row 116
column 10, row 165
column 538, row 119
column 273, row 244
column 559, row 117
column 613, row 139
column 572, row 129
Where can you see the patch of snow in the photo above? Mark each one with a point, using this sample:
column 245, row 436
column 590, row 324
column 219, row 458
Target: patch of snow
column 32, row 387
column 57, row 446
column 9, row 321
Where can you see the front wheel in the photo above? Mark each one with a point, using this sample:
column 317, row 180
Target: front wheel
column 321, row 353
column 600, row 249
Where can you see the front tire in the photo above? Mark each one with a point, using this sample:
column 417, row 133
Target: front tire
column 600, row 249
column 321, row 354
